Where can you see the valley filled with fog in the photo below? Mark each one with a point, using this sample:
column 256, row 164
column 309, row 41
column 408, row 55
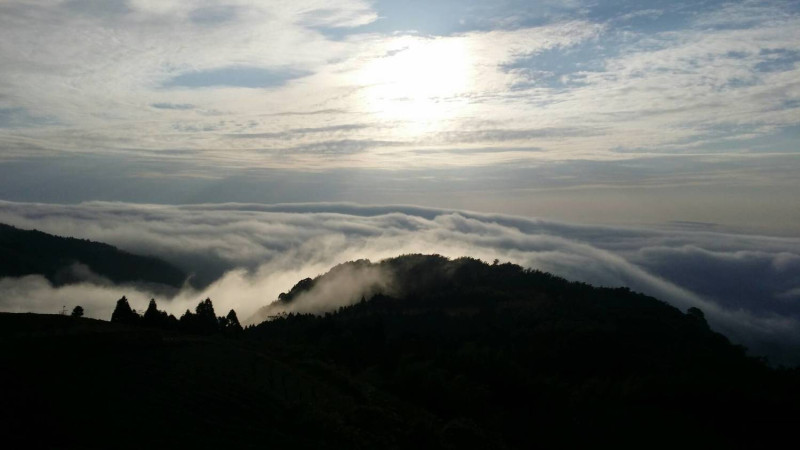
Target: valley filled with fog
column 244, row 255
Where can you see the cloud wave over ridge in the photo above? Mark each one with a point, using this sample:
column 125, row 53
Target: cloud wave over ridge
column 244, row 255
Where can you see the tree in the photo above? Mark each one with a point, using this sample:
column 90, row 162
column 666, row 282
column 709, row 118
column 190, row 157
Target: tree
column 231, row 323
column 77, row 311
column 202, row 321
column 123, row 312
column 697, row 315
column 207, row 322
column 155, row 318
column 187, row 322
column 151, row 314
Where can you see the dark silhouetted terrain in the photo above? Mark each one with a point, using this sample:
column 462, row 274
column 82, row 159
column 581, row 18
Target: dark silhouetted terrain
column 456, row 354
column 59, row 259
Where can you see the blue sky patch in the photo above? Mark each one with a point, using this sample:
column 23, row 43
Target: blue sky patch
column 778, row 60
column 22, row 118
column 235, row 76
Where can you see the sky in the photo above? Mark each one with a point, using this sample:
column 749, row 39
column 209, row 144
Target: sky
column 253, row 143
column 614, row 112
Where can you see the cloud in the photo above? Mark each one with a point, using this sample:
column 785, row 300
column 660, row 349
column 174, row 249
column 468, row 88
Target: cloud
column 213, row 15
column 505, row 135
column 791, row 294
column 345, row 16
column 178, row 106
column 448, row 17
column 300, row 132
column 584, row 110
column 235, row 76
column 578, row 81
column 98, row 7
column 726, row 276
column 249, row 253
column 340, row 147
column 343, row 285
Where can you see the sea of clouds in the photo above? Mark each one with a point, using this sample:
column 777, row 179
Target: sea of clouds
column 243, row 255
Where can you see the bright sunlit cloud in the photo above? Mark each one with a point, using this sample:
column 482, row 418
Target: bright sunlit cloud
column 419, row 80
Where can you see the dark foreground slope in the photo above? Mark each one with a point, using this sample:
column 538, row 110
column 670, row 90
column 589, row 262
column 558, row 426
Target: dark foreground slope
column 81, row 383
column 461, row 355
column 29, row 252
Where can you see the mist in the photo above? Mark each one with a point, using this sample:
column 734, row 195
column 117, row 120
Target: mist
column 243, row 256
column 344, row 285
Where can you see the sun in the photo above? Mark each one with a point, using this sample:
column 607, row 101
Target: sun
column 419, row 81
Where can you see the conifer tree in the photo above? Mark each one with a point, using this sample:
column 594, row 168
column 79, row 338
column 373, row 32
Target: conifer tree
column 232, row 322
column 206, row 319
column 123, row 312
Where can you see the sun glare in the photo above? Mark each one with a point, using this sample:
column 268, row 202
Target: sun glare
column 419, row 81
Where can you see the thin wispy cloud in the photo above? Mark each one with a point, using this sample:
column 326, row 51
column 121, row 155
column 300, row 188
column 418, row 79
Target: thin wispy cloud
column 179, row 106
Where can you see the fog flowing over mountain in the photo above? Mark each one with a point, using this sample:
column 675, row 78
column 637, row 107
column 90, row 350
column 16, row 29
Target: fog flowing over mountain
column 244, row 255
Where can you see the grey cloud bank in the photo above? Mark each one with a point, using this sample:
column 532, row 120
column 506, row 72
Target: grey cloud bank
column 248, row 253
column 748, row 192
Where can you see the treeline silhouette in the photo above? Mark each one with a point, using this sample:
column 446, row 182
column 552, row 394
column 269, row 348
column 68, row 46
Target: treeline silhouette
column 29, row 252
column 203, row 321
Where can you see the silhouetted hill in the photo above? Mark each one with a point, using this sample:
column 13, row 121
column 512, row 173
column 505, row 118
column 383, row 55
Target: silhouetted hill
column 449, row 354
column 509, row 357
column 64, row 260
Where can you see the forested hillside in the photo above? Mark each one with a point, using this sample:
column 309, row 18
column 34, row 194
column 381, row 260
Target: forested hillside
column 64, row 260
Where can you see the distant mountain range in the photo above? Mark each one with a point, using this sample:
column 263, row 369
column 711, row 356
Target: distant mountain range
column 430, row 353
column 64, row 260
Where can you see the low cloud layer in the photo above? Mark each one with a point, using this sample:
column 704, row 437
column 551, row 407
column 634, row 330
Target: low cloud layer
column 343, row 285
column 246, row 254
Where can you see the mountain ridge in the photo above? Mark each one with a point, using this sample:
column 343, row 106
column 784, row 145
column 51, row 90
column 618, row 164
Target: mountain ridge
column 67, row 260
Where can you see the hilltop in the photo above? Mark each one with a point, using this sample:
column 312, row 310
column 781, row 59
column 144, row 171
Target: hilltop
column 513, row 357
